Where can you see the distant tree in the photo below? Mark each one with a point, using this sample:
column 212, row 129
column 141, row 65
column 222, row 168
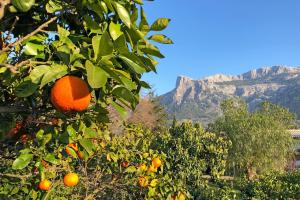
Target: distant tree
column 149, row 113
column 260, row 140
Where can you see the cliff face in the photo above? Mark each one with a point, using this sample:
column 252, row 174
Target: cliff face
column 199, row 100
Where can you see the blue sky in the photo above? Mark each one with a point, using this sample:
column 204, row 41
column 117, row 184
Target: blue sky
column 224, row 36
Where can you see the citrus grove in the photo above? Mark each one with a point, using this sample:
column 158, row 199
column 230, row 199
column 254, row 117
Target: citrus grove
column 65, row 65
column 62, row 64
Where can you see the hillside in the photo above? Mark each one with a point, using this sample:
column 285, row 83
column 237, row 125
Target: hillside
column 199, row 100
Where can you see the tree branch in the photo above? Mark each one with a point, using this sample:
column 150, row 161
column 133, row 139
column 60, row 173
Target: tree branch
column 39, row 29
column 11, row 109
column 16, row 176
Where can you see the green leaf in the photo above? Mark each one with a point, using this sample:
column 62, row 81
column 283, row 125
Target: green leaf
column 160, row 24
column 53, row 6
column 2, row 69
column 103, row 7
column 130, row 169
column 121, row 110
column 90, row 24
column 161, row 39
column 3, row 57
column 154, row 182
column 124, row 93
column 32, row 49
column 26, row 88
column 23, row 6
column 145, row 85
column 109, row 5
column 120, row 45
column 151, row 192
column 133, row 65
column 138, row 1
column 96, row 45
column 38, row 72
column 102, row 45
column 134, row 16
column 22, row 161
column 56, row 72
column 115, row 30
column 90, row 133
column 39, row 135
column 62, row 32
column 151, row 50
column 87, row 144
column 97, row 77
column 71, row 131
column 51, row 159
column 46, row 139
column 144, row 26
column 123, row 14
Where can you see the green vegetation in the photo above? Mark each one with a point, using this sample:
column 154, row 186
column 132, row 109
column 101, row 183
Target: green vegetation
column 63, row 148
column 260, row 140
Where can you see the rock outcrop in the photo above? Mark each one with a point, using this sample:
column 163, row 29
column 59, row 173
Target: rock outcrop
column 199, row 100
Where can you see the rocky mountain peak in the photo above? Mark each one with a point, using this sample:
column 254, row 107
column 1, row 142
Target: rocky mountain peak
column 200, row 99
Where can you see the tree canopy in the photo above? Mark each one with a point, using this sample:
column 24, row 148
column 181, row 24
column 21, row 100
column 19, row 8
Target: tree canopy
column 260, row 140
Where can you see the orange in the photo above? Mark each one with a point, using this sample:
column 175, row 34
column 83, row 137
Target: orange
column 73, row 146
column 172, row 197
column 71, row 179
column 152, row 168
column 80, row 155
column 125, row 164
column 45, row 185
column 70, row 93
column 156, row 162
column 181, row 197
column 143, row 181
column 143, row 167
column 24, row 138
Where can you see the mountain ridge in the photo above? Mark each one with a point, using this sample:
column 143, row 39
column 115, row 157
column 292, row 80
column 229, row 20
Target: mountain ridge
column 199, row 100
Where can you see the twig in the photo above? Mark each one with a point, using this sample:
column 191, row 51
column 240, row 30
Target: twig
column 11, row 109
column 16, row 176
column 12, row 28
column 39, row 29
column 13, row 68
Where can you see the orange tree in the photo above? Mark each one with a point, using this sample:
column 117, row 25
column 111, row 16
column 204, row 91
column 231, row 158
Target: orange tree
column 47, row 133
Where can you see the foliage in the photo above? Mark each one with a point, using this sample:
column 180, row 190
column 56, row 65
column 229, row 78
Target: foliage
column 260, row 141
column 187, row 153
column 192, row 153
column 272, row 186
column 107, row 43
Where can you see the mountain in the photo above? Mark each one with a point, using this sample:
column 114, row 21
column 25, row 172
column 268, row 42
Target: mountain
column 199, row 100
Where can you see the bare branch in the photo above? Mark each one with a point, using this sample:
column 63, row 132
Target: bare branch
column 16, row 176
column 39, row 29
column 11, row 109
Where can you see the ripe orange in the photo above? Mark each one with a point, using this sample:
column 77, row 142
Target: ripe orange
column 172, row 197
column 156, row 162
column 70, row 93
column 152, row 168
column 80, row 155
column 143, row 181
column 73, row 146
column 45, row 185
column 143, row 167
column 181, row 197
column 71, row 179
column 24, row 138
column 125, row 164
